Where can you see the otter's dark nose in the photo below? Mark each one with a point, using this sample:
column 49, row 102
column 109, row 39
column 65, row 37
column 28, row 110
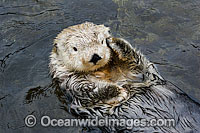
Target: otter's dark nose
column 95, row 58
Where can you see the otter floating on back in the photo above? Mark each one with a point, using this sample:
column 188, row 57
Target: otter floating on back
column 107, row 77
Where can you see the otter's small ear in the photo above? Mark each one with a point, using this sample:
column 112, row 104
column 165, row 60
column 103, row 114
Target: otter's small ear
column 55, row 45
column 55, row 48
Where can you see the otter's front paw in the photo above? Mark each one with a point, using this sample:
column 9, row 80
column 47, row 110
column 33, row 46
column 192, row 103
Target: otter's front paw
column 121, row 47
column 122, row 96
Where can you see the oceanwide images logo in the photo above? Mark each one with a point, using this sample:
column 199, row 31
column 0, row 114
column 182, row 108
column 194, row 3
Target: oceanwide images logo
column 46, row 121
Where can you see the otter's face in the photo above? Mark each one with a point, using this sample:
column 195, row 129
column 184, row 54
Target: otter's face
column 83, row 47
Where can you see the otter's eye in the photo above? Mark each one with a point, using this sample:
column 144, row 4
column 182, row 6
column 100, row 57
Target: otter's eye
column 75, row 49
column 102, row 41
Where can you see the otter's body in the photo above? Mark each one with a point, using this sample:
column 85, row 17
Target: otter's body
column 107, row 77
column 153, row 103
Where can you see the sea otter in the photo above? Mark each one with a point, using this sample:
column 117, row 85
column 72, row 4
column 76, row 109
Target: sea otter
column 106, row 77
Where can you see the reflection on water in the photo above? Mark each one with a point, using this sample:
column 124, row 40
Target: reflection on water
column 166, row 31
column 36, row 93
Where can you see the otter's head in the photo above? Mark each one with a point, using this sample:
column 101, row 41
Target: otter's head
column 83, row 47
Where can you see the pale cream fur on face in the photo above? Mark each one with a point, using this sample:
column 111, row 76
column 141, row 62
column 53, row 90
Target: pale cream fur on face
column 77, row 44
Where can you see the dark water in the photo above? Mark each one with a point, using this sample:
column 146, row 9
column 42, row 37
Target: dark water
column 167, row 32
